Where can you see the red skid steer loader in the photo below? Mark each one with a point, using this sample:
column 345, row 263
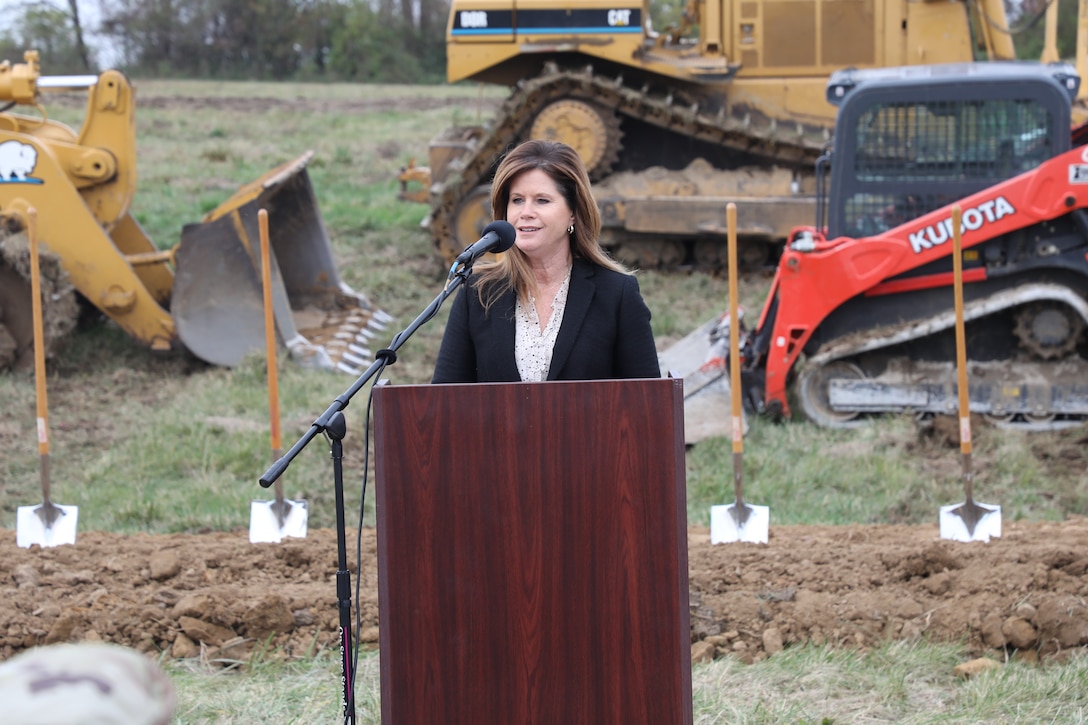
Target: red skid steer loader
column 859, row 319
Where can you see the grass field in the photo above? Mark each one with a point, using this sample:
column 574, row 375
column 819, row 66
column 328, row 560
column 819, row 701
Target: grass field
column 902, row 684
column 158, row 444
column 197, row 143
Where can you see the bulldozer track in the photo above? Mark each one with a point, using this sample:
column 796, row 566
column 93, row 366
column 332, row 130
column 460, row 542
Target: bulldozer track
column 788, row 145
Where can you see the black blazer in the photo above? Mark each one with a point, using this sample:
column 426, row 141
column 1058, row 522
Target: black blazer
column 605, row 333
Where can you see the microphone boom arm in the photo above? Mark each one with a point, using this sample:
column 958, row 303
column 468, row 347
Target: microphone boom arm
column 331, row 423
column 382, row 358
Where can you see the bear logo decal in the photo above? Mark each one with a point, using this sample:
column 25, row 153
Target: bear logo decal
column 17, row 161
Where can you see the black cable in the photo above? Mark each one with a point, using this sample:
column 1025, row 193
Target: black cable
column 362, row 509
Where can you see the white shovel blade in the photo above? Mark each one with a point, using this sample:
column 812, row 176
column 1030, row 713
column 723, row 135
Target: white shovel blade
column 30, row 529
column 264, row 523
column 954, row 528
column 724, row 529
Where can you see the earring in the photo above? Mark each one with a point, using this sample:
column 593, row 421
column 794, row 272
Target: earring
column 570, row 229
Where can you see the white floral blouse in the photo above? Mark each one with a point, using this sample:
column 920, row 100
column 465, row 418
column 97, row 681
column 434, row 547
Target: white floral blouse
column 532, row 346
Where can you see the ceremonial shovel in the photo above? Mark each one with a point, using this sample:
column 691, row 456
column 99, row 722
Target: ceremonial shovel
column 49, row 524
column 271, row 521
column 738, row 521
column 968, row 521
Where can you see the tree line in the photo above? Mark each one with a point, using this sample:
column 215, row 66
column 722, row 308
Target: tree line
column 1029, row 28
column 392, row 41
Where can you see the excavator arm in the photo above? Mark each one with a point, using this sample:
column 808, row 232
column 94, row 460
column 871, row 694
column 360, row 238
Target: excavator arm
column 203, row 292
column 82, row 186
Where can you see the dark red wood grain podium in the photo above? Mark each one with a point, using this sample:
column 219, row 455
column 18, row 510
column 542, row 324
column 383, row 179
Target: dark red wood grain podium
column 532, row 553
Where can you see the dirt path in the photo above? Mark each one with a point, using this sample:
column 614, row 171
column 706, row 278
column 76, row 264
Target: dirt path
column 217, row 595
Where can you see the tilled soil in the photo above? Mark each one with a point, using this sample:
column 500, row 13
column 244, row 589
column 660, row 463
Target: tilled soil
column 219, row 597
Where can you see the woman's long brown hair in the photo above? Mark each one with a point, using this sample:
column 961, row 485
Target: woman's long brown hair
column 563, row 165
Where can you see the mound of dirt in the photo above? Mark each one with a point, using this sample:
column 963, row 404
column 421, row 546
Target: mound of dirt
column 219, row 597
column 59, row 313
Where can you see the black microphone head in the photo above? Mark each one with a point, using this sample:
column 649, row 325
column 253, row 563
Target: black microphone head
column 507, row 234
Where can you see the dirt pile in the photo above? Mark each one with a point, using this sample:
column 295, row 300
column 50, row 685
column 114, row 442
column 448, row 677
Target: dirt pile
column 219, row 597
column 59, row 316
column 857, row 586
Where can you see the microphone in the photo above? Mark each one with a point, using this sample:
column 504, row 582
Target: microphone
column 498, row 236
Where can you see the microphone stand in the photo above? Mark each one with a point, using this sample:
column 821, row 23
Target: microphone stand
column 333, row 424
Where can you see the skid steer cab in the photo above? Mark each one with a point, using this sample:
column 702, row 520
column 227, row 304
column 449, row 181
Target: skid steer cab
column 204, row 293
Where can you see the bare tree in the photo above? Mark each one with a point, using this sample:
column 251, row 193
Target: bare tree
column 53, row 31
column 432, row 18
column 77, row 27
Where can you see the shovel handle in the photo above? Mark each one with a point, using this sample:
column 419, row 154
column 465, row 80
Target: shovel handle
column 961, row 362
column 270, row 333
column 961, row 335
column 734, row 329
column 39, row 353
column 734, row 364
column 39, row 330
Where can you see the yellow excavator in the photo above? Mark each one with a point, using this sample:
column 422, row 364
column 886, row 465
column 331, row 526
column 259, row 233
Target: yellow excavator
column 728, row 104
column 205, row 292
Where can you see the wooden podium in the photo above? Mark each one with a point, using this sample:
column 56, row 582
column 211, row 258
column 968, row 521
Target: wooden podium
column 532, row 553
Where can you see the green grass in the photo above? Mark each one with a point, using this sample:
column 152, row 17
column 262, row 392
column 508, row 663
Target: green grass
column 895, row 683
column 191, row 438
column 908, row 684
column 302, row 692
column 893, row 475
column 192, row 461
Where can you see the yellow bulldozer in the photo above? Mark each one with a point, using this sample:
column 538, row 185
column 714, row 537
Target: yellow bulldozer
column 205, row 292
column 728, row 104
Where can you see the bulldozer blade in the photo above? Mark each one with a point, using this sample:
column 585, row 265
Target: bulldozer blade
column 733, row 523
column 688, row 354
column 706, row 410
column 218, row 301
column 707, row 400
column 46, row 525
column 273, row 521
column 970, row 521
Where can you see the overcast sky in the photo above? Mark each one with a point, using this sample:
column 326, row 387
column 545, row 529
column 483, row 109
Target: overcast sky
column 89, row 17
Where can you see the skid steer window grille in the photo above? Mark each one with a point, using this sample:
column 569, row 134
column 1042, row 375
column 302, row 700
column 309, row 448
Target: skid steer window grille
column 951, row 140
column 871, row 214
column 914, row 157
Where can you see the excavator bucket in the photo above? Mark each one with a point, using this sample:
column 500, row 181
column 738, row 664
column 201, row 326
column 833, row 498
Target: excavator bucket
column 218, row 302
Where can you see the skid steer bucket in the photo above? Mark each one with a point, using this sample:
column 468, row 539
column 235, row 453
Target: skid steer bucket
column 218, row 303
